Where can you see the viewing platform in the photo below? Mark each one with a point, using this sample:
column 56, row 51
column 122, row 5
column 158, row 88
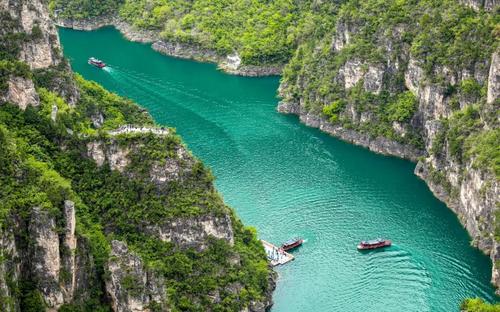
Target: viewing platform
column 135, row 129
column 276, row 254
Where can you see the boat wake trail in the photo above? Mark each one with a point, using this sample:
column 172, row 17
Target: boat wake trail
column 154, row 94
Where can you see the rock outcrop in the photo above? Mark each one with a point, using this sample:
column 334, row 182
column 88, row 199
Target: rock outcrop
column 33, row 16
column 194, row 232
column 488, row 5
column 51, row 262
column 119, row 156
column 44, row 255
column 114, row 155
column 21, row 91
column 494, row 79
column 131, row 286
column 35, row 44
column 10, row 270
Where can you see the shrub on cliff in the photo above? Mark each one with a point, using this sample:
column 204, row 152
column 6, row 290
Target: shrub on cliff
column 478, row 305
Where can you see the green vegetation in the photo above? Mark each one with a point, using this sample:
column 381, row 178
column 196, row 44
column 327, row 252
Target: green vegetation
column 43, row 162
column 464, row 137
column 84, row 9
column 403, row 108
column 36, row 171
column 10, row 47
column 262, row 32
column 11, row 69
column 115, row 110
column 443, row 38
column 385, row 34
column 332, row 110
column 478, row 305
column 483, row 148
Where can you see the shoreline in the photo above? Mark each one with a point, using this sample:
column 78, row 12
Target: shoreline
column 379, row 145
column 230, row 64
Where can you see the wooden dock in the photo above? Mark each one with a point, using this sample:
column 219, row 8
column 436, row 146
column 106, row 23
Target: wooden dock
column 275, row 254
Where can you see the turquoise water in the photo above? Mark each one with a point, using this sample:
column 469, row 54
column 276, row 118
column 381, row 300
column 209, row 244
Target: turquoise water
column 289, row 180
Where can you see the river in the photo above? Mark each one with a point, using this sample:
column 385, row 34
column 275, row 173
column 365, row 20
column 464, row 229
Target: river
column 289, row 180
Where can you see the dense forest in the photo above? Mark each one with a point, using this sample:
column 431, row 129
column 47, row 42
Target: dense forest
column 36, row 172
column 262, row 32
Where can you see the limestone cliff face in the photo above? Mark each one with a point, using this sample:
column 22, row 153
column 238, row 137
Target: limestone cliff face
column 10, row 270
column 192, row 232
column 36, row 43
column 470, row 190
column 51, row 261
column 175, row 166
column 21, row 91
column 33, row 16
column 488, row 5
column 131, row 286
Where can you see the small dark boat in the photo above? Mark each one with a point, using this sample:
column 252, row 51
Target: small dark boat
column 292, row 243
column 374, row 243
column 97, row 63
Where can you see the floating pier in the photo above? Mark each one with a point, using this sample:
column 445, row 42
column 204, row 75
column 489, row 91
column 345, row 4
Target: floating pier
column 276, row 254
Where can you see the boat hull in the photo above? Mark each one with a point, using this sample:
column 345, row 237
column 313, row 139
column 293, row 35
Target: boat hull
column 295, row 244
column 98, row 65
column 383, row 244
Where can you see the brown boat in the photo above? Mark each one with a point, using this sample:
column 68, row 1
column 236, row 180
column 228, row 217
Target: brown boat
column 374, row 244
column 292, row 243
column 97, row 63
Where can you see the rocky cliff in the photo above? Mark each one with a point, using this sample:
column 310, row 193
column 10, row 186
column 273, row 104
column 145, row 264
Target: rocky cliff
column 99, row 208
column 414, row 81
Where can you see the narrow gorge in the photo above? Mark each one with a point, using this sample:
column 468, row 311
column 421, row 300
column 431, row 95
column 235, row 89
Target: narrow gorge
column 103, row 209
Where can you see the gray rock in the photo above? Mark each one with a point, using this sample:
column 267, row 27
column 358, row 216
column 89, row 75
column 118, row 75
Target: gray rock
column 194, row 232
column 21, row 92
column 494, row 78
column 131, row 286
column 45, row 260
column 45, row 50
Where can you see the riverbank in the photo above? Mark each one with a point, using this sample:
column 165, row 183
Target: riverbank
column 378, row 145
column 472, row 194
column 230, row 64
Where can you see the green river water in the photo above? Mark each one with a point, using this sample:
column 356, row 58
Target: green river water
column 290, row 180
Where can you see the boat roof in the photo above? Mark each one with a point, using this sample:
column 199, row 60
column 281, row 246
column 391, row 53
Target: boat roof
column 373, row 241
column 291, row 241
